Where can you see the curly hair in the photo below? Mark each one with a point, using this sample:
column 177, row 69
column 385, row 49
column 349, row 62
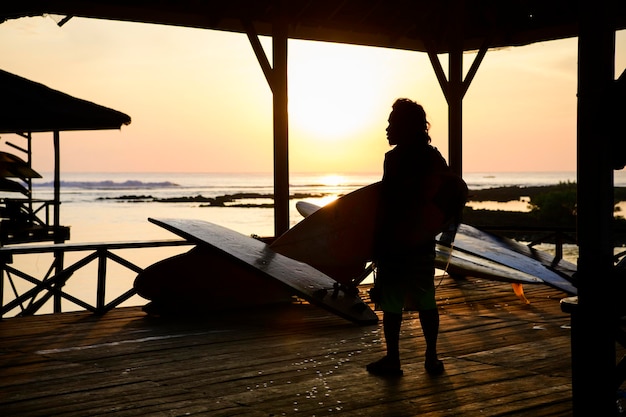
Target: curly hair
column 413, row 117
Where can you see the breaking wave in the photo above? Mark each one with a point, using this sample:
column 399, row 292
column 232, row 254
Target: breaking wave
column 110, row 185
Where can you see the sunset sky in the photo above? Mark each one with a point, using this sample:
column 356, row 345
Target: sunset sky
column 199, row 101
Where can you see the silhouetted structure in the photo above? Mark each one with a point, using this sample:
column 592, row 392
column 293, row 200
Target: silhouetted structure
column 20, row 215
column 27, row 107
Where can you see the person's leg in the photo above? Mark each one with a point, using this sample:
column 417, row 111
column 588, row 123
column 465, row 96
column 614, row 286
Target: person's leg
column 391, row 327
column 423, row 296
column 429, row 320
column 391, row 294
column 390, row 364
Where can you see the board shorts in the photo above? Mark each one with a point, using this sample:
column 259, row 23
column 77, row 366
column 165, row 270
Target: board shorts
column 406, row 283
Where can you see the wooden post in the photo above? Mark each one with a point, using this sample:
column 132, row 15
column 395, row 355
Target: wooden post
column 57, row 180
column 456, row 92
column 102, row 274
column 58, row 255
column 281, row 125
column 29, row 181
column 454, row 89
column 2, row 273
column 276, row 76
column 593, row 342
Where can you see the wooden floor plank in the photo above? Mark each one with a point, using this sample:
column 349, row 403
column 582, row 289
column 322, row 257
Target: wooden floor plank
column 502, row 357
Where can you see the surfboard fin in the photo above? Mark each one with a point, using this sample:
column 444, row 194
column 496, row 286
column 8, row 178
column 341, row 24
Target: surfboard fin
column 518, row 289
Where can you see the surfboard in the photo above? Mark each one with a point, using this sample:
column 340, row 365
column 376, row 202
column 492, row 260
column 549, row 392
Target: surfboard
column 12, row 186
column 462, row 263
column 338, row 239
column 259, row 258
column 306, row 208
column 475, row 253
column 458, row 262
column 508, row 252
column 201, row 281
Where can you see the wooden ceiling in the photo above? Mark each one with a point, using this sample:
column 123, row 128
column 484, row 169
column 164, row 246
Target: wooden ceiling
column 419, row 25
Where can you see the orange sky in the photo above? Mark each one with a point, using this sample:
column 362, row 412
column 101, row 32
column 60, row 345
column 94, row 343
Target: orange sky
column 199, row 101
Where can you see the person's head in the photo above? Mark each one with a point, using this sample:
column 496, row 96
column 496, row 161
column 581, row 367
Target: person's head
column 407, row 123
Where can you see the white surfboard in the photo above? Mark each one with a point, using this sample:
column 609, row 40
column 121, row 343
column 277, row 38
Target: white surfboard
column 483, row 255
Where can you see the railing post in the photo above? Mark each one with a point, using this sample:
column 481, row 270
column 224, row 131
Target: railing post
column 2, row 264
column 558, row 247
column 102, row 272
column 58, row 268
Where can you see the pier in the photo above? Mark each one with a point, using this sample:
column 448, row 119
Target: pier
column 503, row 358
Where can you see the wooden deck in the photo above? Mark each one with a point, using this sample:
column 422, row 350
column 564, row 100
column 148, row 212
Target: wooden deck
column 502, row 358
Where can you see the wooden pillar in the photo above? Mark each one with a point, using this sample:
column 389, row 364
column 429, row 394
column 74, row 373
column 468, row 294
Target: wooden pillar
column 276, row 76
column 29, row 160
column 101, row 286
column 57, row 180
column 593, row 343
column 456, row 92
column 281, row 125
column 2, row 268
column 454, row 88
column 58, row 255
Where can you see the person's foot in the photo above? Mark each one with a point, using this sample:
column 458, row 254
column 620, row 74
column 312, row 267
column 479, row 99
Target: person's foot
column 434, row 367
column 385, row 367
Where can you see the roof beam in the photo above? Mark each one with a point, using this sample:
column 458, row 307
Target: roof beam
column 397, row 24
column 253, row 37
column 454, row 88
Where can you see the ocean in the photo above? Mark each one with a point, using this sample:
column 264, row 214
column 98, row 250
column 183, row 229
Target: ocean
column 101, row 207
column 115, row 207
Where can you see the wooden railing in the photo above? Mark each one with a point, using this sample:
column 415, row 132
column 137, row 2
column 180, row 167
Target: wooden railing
column 28, row 210
column 30, row 301
column 28, row 221
column 50, row 286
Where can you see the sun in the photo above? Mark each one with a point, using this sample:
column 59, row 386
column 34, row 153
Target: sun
column 332, row 180
column 333, row 89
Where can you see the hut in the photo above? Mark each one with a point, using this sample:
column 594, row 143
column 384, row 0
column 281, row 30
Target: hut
column 28, row 107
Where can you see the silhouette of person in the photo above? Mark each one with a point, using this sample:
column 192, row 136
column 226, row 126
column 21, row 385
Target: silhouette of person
column 405, row 264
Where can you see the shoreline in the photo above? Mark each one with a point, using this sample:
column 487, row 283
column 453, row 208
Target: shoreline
column 522, row 225
column 516, row 193
column 495, row 194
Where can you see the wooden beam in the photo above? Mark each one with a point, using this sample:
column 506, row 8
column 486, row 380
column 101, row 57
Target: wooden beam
column 253, row 37
column 58, row 256
column 281, row 125
column 455, row 111
column 454, row 88
column 276, row 77
column 475, row 65
column 593, row 342
column 57, row 178
column 439, row 72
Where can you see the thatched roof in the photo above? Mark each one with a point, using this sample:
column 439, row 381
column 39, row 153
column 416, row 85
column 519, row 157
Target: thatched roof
column 27, row 106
